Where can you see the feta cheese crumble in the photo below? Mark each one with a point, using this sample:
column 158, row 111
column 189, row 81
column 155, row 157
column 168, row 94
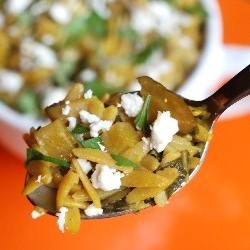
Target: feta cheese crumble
column 72, row 122
column 16, row 7
column 35, row 214
column 66, row 110
column 134, row 86
column 60, row 13
column 53, row 95
column 102, row 147
column 163, row 129
column 86, row 117
column 87, row 75
column 36, row 54
column 99, row 126
column 91, row 210
column 85, row 165
column 39, row 179
column 10, row 81
column 106, row 178
column 132, row 104
column 88, row 94
column 147, row 143
column 61, row 218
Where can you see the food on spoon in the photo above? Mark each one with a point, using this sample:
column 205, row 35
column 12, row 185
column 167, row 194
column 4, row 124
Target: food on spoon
column 115, row 154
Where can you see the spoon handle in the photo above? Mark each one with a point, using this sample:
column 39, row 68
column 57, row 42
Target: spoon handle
column 234, row 90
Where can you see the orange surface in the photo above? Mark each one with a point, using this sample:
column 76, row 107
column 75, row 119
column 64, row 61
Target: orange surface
column 212, row 212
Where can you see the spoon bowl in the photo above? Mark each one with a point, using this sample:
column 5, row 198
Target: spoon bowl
column 234, row 90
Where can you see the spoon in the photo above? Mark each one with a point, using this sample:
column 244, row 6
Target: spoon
column 234, row 90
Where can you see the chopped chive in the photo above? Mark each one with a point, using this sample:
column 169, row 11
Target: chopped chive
column 123, row 161
column 141, row 121
column 34, row 155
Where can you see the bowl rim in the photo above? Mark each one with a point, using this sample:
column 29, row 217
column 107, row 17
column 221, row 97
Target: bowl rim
column 211, row 48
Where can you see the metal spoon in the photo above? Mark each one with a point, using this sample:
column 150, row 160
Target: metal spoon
column 234, row 90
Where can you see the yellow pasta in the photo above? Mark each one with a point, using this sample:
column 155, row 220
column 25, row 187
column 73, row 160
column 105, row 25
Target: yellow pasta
column 94, row 155
column 87, row 184
column 72, row 220
column 68, row 181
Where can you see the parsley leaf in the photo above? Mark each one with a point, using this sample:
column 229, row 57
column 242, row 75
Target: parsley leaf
column 34, row 155
column 99, row 88
column 123, row 161
column 79, row 129
column 145, row 54
column 141, row 121
column 92, row 143
column 198, row 10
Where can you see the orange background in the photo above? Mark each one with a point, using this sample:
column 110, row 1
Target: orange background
column 212, row 212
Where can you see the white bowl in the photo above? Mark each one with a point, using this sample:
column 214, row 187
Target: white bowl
column 200, row 84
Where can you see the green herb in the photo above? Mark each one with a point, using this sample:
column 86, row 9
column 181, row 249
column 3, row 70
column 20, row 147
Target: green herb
column 75, row 30
column 99, row 88
column 129, row 33
column 123, row 161
column 145, row 54
column 97, row 25
column 92, row 143
column 34, row 155
column 141, row 121
column 79, row 129
column 198, row 10
column 171, row 2
column 82, row 25
column 27, row 102
column 64, row 72
column 25, row 19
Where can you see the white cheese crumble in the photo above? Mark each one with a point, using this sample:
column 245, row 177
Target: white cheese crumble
column 16, row 6
column 160, row 17
column 147, row 143
column 132, row 104
column 163, row 129
column 72, row 122
column 35, row 214
column 66, row 109
column 60, row 13
column 48, row 39
column 61, row 218
column 10, row 81
column 53, row 95
column 85, row 165
column 88, row 94
column 102, row 147
column 155, row 66
column 106, row 178
column 86, row 117
column 134, row 86
column 36, row 54
column 99, row 126
column 91, row 210
column 39, row 179
column 87, row 75
column 101, row 7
